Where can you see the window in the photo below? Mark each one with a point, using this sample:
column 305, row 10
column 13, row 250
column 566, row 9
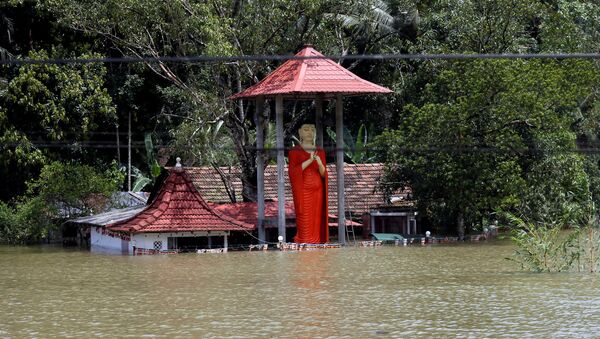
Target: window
column 158, row 245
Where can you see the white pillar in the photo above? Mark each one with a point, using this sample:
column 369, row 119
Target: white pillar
column 280, row 167
column 339, row 154
column 260, row 168
column 225, row 244
column 373, row 224
column 319, row 119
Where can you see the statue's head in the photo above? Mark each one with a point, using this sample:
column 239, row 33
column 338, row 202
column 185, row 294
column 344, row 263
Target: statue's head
column 307, row 133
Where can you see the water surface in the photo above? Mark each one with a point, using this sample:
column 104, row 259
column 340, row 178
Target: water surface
column 432, row 291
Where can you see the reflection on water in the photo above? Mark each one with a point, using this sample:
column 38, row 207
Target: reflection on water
column 438, row 291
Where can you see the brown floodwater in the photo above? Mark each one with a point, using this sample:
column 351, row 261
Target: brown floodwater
column 467, row 290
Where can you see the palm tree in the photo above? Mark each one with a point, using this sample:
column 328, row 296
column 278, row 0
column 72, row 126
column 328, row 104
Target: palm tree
column 370, row 22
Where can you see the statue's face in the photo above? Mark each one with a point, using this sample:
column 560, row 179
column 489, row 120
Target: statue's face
column 307, row 132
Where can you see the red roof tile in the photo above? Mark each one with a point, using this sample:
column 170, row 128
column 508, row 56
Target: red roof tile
column 178, row 207
column 361, row 182
column 248, row 212
column 308, row 77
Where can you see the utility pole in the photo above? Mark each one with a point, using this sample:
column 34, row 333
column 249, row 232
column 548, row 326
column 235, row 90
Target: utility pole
column 129, row 154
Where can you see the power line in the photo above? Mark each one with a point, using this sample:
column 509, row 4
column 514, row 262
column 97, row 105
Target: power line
column 328, row 150
column 375, row 57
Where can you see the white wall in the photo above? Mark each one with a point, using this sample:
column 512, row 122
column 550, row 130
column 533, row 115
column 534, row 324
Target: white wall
column 100, row 241
column 146, row 240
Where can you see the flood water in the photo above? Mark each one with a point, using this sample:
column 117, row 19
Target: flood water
column 465, row 290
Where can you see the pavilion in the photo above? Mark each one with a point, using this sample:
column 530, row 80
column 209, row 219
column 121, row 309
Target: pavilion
column 307, row 76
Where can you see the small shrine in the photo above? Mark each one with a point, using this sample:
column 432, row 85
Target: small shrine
column 178, row 219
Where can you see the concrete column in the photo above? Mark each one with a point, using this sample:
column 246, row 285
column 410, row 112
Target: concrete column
column 260, row 168
column 280, row 167
column 319, row 119
column 373, row 224
column 339, row 154
column 225, row 244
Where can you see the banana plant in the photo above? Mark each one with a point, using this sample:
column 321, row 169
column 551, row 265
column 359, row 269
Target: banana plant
column 355, row 150
column 141, row 179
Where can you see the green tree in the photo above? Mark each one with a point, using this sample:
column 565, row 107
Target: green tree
column 62, row 191
column 488, row 130
column 49, row 105
column 71, row 190
column 148, row 28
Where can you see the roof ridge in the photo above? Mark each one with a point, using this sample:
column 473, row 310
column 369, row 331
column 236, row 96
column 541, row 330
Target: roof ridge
column 299, row 79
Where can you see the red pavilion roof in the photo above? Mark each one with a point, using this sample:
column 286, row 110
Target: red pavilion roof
column 305, row 78
column 178, row 207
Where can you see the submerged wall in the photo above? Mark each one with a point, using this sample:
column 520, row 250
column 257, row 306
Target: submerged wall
column 105, row 240
column 102, row 239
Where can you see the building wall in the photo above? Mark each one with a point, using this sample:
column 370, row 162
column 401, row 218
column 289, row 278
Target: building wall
column 149, row 240
column 102, row 240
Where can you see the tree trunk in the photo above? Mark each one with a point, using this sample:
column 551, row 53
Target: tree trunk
column 460, row 226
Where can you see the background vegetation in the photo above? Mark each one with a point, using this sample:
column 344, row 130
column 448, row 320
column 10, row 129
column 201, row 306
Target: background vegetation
column 474, row 139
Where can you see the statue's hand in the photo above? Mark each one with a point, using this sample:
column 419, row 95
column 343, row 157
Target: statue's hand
column 318, row 159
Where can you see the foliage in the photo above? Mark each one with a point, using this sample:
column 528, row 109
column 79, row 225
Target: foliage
column 71, row 190
column 47, row 105
column 63, row 190
column 8, row 224
column 470, row 137
column 355, row 150
column 141, row 180
column 488, row 130
column 544, row 248
column 29, row 222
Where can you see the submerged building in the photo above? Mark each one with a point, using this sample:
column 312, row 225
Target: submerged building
column 177, row 219
column 189, row 210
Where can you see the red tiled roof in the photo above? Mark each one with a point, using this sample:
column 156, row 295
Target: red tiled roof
column 308, row 77
column 248, row 212
column 361, row 185
column 178, row 207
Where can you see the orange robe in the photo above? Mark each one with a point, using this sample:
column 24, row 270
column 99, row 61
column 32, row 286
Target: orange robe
column 310, row 197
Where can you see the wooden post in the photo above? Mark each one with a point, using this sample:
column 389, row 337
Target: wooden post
column 339, row 155
column 260, row 168
column 280, row 167
column 319, row 119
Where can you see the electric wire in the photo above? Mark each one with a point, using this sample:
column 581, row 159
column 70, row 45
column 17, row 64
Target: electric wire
column 234, row 58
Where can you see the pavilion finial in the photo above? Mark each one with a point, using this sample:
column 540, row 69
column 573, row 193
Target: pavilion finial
column 178, row 166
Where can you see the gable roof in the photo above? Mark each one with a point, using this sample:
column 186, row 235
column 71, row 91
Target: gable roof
column 304, row 78
column 178, row 207
column 361, row 181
